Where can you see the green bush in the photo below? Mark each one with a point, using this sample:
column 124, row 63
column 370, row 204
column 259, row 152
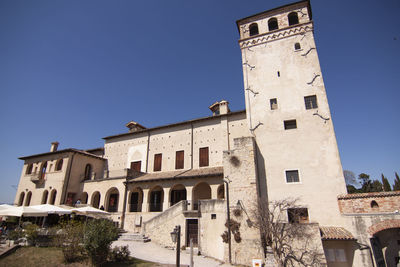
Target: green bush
column 99, row 235
column 70, row 239
column 15, row 234
column 31, row 233
column 120, row 254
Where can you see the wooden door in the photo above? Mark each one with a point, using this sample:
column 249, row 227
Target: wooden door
column 192, row 232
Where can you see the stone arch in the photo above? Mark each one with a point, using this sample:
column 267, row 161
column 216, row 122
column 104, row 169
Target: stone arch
column 28, row 198
column 383, row 225
column 44, row 196
column 84, row 198
column 21, row 199
column 177, row 193
column 201, row 191
column 156, row 198
column 135, row 200
column 221, row 191
column 53, row 196
column 95, row 200
column 112, row 198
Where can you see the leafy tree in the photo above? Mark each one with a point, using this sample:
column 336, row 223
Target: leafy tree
column 366, row 183
column 385, row 183
column 70, row 240
column 99, row 235
column 351, row 189
column 376, row 186
column 396, row 185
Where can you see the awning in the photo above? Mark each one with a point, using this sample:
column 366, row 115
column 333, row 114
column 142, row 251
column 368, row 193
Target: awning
column 22, row 211
column 335, row 233
column 51, row 209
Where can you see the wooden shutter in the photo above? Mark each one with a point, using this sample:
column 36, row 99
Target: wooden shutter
column 203, row 157
column 179, row 159
column 136, row 165
column 157, row 162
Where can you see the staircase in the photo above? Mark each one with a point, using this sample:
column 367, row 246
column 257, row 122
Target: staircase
column 135, row 237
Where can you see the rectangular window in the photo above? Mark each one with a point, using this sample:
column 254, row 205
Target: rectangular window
column 292, row 176
column 273, row 102
column 290, row 124
column 136, row 165
column 297, row 215
column 310, row 101
column 203, row 157
column 179, row 159
column 157, row 162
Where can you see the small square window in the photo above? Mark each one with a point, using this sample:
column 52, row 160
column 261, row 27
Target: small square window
column 273, row 102
column 290, row 124
column 292, row 176
column 298, row 215
column 213, row 216
column 311, row 102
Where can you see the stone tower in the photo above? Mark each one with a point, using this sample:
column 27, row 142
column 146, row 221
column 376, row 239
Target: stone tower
column 288, row 112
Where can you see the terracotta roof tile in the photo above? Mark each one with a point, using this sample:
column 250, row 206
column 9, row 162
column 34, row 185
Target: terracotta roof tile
column 367, row 195
column 335, row 233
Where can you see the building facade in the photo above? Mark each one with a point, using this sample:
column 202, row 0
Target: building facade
column 281, row 146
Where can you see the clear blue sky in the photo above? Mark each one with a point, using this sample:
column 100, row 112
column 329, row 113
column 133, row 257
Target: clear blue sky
column 76, row 71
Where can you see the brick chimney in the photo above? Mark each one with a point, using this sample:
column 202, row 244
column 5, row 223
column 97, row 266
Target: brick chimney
column 134, row 126
column 54, row 146
column 220, row 108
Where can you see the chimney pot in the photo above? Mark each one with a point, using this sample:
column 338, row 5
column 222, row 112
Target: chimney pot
column 54, row 146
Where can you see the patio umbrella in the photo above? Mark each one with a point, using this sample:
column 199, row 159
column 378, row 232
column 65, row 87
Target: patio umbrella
column 5, row 206
column 88, row 210
column 51, row 209
column 22, row 211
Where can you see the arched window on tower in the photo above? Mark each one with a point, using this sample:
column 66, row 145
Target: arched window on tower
column 273, row 24
column 88, row 172
column 253, row 28
column 293, row 18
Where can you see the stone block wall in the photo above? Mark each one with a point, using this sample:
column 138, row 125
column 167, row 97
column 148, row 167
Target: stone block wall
column 369, row 202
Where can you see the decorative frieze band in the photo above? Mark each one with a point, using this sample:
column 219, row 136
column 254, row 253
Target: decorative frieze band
column 268, row 37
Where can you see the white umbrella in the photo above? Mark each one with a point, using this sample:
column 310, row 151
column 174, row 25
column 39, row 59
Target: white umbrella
column 51, row 209
column 5, row 206
column 90, row 210
column 22, row 211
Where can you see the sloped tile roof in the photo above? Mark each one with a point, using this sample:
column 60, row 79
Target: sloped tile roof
column 335, row 233
column 202, row 172
column 367, row 195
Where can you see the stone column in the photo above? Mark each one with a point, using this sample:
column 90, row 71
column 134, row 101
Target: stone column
column 214, row 191
column 189, row 196
column 166, row 198
column 145, row 204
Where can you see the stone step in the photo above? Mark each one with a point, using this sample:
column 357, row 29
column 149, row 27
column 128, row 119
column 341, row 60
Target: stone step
column 134, row 237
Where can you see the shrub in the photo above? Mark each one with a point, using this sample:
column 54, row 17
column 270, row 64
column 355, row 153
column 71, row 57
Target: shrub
column 120, row 254
column 15, row 234
column 97, row 240
column 70, row 239
column 31, row 233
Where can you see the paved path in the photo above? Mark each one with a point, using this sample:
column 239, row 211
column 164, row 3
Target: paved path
column 152, row 252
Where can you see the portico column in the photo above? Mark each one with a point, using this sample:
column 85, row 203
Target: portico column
column 214, row 191
column 145, row 204
column 189, row 196
column 166, row 198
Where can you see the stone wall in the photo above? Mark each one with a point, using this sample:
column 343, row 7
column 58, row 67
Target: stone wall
column 370, row 202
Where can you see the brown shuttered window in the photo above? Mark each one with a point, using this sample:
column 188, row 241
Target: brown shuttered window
column 203, row 157
column 157, row 162
column 179, row 159
column 136, row 165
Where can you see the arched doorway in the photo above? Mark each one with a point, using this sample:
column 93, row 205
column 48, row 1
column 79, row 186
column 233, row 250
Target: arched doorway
column 136, row 200
column 95, row 200
column 384, row 242
column 21, row 199
column 112, row 198
column 156, row 199
column 221, row 192
column 28, row 198
column 177, row 193
column 84, row 198
column 44, row 197
column 201, row 191
column 53, row 196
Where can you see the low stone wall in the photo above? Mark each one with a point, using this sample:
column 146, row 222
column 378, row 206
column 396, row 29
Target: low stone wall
column 369, row 202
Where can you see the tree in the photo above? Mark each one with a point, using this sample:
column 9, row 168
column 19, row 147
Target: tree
column 290, row 242
column 385, row 183
column 396, row 185
column 366, row 183
column 376, row 186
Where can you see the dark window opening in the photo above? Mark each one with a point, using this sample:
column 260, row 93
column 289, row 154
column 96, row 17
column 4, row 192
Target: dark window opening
column 43, row 170
column 374, row 204
column 180, row 159
column 88, row 172
column 28, row 198
column 292, row 176
column 157, row 162
column 156, row 201
column 177, row 195
column 297, row 46
column 279, row 74
column 311, row 102
column 29, row 169
column 136, row 165
column 135, row 204
column 253, row 29
column 213, row 216
column 204, row 161
column 273, row 102
column 293, row 18
column 273, row 24
column 59, row 165
column 290, row 124
column 298, row 215
column 113, row 203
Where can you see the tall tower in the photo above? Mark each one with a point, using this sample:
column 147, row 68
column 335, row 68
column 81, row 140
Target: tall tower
column 288, row 112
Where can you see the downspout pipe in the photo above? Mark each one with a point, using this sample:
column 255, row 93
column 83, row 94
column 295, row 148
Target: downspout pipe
column 124, row 205
column 147, row 155
column 228, row 214
column 66, row 183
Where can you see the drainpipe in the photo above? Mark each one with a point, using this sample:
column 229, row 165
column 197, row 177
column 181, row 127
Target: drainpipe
column 370, row 252
column 66, row 183
column 229, row 220
column 124, row 206
column 191, row 146
column 148, row 146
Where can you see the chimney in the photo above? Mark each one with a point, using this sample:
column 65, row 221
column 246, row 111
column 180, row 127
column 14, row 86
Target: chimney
column 134, row 126
column 220, row 108
column 54, row 146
